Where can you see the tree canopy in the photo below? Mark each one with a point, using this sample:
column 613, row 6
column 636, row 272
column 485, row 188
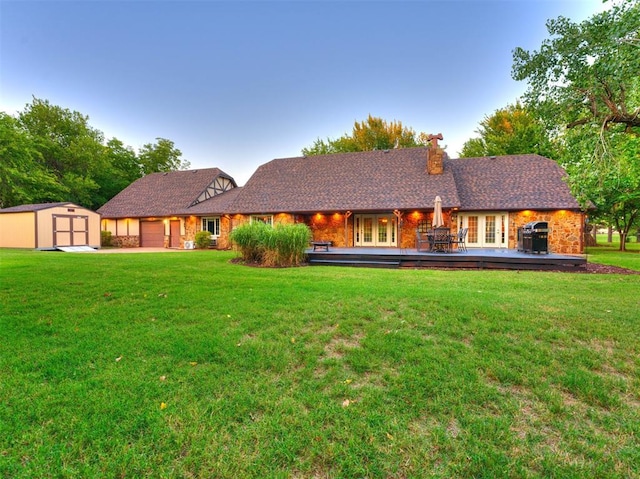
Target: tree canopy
column 510, row 131
column 371, row 134
column 584, row 83
column 49, row 153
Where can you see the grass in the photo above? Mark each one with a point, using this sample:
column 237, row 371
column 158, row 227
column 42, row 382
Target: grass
column 184, row 365
column 609, row 254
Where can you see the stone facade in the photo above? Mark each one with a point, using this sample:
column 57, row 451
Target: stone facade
column 565, row 229
column 331, row 227
column 125, row 241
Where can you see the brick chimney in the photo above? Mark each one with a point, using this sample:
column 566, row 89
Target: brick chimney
column 435, row 154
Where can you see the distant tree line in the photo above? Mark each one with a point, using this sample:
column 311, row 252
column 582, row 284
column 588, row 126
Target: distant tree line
column 49, row 153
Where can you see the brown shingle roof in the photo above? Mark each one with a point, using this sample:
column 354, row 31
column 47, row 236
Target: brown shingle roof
column 364, row 181
column 160, row 194
column 217, row 205
column 515, row 182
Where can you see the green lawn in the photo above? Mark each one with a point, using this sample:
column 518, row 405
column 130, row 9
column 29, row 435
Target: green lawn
column 608, row 253
column 184, row 365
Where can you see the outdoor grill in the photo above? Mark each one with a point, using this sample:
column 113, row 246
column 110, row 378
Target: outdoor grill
column 533, row 237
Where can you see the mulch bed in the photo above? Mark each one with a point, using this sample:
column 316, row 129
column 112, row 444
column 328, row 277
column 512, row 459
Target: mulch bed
column 596, row 268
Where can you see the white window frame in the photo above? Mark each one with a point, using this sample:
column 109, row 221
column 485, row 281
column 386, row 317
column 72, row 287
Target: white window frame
column 216, row 222
column 266, row 219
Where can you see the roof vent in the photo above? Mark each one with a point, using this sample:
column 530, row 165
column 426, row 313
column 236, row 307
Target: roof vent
column 493, row 157
column 165, row 173
column 195, row 171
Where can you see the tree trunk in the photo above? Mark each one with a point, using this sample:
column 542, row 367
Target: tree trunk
column 610, row 235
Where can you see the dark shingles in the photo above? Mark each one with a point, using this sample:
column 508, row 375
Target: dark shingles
column 217, row 205
column 359, row 182
column 515, row 182
column 374, row 180
column 160, row 194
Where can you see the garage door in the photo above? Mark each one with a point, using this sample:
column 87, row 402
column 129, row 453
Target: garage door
column 152, row 234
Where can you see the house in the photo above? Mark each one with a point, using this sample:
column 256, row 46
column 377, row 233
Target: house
column 49, row 226
column 166, row 209
column 373, row 199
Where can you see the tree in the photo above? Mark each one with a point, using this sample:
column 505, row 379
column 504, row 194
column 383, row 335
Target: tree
column 68, row 148
column 585, row 83
column 161, row 156
column 120, row 169
column 50, row 153
column 510, row 131
column 371, row 134
column 22, row 177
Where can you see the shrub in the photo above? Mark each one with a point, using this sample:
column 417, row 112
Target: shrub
column 105, row 238
column 282, row 245
column 202, row 239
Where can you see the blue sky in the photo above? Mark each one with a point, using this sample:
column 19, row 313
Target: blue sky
column 236, row 84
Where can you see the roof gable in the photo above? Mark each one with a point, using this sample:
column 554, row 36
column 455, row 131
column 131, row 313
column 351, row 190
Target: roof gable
column 166, row 194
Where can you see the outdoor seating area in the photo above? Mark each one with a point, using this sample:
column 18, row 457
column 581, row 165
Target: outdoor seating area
column 321, row 245
column 441, row 240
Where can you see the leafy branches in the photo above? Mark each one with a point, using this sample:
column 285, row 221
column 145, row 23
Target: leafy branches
column 588, row 72
column 585, row 82
column 371, row 134
column 50, row 153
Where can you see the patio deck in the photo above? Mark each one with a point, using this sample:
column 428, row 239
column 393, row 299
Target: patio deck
column 474, row 258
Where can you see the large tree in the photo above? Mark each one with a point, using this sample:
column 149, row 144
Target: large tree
column 509, row 131
column 585, row 82
column 50, row 153
column 161, row 156
column 371, row 134
column 22, row 177
column 68, row 147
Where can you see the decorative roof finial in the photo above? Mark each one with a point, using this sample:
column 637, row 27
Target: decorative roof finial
column 434, row 139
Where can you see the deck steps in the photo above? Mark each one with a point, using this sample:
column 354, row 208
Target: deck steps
column 476, row 259
column 355, row 262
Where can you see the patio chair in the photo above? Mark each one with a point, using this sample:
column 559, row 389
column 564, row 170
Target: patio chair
column 422, row 239
column 460, row 239
column 441, row 240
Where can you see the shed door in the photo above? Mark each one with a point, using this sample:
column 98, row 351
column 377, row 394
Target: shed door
column 152, row 234
column 70, row 230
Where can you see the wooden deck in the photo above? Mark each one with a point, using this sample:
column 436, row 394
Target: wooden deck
column 472, row 259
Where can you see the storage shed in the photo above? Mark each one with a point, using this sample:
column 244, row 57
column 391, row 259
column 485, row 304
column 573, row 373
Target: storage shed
column 49, row 226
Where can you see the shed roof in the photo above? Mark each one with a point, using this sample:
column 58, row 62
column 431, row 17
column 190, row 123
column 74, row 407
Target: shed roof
column 36, row 207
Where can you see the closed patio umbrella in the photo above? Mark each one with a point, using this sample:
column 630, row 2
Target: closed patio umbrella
column 438, row 220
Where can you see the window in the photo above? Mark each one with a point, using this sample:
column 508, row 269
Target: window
column 424, row 226
column 266, row 219
column 212, row 225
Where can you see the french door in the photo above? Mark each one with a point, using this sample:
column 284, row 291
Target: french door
column 376, row 230
column 486, row 230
